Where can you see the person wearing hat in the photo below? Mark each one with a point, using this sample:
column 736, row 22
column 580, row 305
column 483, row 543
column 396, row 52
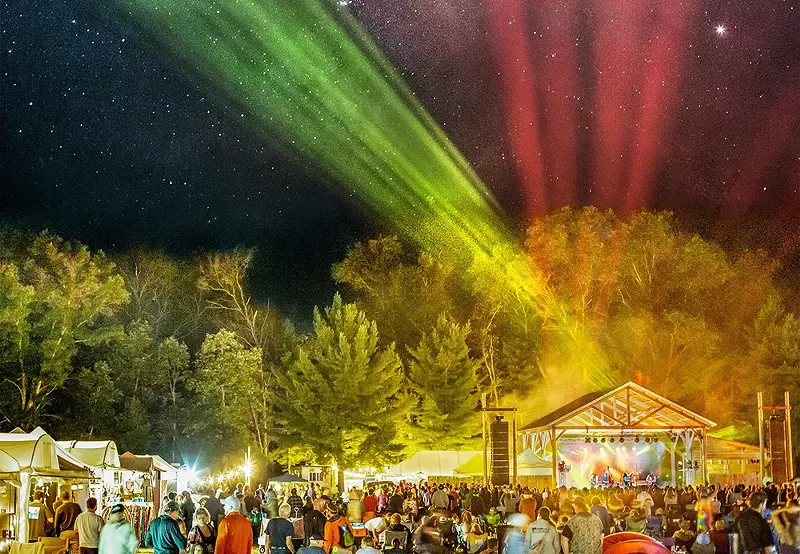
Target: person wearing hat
column 316, row 543
column 235, row 534
column 164, row 535
column 117, row 536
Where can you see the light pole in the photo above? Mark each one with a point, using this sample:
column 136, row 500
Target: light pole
column 248, row 468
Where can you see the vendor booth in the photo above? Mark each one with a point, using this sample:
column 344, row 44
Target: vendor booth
column 30, row 461
column 144, row 481
column 103, row 459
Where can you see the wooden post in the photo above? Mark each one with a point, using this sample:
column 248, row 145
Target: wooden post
column 789, row 460
column 514, row 449
column 761, row 460
column 673, row 462
column 704, row 470
column 485, row 449
column 554, row 449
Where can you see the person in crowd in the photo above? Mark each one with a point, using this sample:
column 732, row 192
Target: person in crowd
column 338, row 531
column 314, row 520
column 187, row 510
column 65, row 516
column 427, row 539
column 751, row 531
column 720, row 537
column 395, row 548
column 635, row 522
column 410, row 505
column 117, row 535
column 295, row 504
column 601, row 512
column 491, row 546
column 396, row 502
column 583, row 534
column 37, row 527
column 396, row 525
column 514, row 539
column 787, row 523
column 370, row 503
column 214, row 507
column 527, row 505
column 440, row 499
column 684, row 536
column 251, row 501
column 368, row 546
column 542, row 536
column 235, row 535
column 376, row 526
column 203, row 533
column 315, row 545
column 476, row 538
column 703, row 544
column 492, row 519
column 164, row 535
column 280, row 531
column 89, row 525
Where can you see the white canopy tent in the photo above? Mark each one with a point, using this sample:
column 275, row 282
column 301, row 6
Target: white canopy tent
column 430, row 463
column 27, row 455
column 97, row 454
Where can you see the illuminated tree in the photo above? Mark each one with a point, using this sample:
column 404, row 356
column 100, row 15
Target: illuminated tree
column 56, row 298
column 340, row 391
column 443, row 377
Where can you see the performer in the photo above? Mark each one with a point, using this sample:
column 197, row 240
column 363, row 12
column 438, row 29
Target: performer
column 606, row 478
column 593, row 479
column 651, row 479
column 626, row 480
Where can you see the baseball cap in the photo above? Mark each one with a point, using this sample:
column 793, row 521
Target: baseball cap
column 117, row 509
column 172, row 506
column 232, row 502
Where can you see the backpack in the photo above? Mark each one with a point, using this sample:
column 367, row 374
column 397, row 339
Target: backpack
column 345, row 536
column 538, row 548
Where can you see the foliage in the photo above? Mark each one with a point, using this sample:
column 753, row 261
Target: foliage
column 340, row 390
column 57, row 297
column 443, row 377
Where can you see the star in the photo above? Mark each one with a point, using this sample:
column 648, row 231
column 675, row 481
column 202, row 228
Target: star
column 721, row 30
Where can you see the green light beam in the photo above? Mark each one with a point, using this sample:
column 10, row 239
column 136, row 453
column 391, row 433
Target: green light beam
column 310, row 75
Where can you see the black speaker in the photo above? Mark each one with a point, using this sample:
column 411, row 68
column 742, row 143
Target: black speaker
column 500, row 455
column 777, row 449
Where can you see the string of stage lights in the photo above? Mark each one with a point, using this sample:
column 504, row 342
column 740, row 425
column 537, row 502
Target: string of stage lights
column 306, row 72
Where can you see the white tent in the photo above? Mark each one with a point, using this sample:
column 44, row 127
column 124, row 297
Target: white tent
column 25, row 455
column 430, row 463
column 97, row 454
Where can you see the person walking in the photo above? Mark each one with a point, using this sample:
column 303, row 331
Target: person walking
column 235, row 534
column 751, row 531
column 187, row 510
column 117, row 536
column 542, row 535
column 203, row 536
column 89, row 525
column 164, row 535
column 280, row 531
column 65, row 517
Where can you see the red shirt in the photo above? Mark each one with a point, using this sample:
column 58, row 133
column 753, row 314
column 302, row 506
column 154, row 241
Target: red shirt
column 370, row 504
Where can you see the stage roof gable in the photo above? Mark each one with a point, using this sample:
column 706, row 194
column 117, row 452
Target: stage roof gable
column 627, row 407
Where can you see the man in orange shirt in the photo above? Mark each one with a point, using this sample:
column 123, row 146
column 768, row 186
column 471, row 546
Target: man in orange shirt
column 235, row 532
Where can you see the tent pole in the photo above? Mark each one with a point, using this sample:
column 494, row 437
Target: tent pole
column 483, row 434
column 22, row 506
column 514, row 447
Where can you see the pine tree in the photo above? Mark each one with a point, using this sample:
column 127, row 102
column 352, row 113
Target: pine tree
column 341, row 390
column 444, row 379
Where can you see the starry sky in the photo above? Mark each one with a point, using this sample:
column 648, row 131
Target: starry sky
column 689, row 105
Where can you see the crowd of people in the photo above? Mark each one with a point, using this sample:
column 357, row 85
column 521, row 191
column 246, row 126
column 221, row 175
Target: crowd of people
column 428, row 518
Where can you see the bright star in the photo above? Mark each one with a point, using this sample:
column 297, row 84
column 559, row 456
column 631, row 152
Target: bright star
column 721, row 30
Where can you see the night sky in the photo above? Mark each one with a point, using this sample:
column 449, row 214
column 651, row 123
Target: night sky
column 690, row 106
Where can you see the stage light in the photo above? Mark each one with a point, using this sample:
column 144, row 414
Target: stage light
column 621, row 439
column 647, row 440
column 611, row 440
column 603, row 439
column 655, row 439
column 588, row 439
column 636, row 439
column 594, row 439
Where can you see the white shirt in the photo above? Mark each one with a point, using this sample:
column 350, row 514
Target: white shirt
column 376, row 525
column 88, row 525
column 368, row 550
